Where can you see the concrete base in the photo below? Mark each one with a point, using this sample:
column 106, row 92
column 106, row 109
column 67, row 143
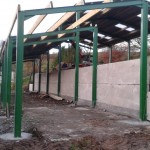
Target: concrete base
column 107, row 107
column 135, row 123
column 10, row 136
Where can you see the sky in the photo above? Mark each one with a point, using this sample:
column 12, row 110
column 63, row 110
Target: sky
column 8, row 9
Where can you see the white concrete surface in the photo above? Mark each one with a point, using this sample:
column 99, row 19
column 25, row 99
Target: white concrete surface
column 148, row 106
column 117, row 83
column 10, row 136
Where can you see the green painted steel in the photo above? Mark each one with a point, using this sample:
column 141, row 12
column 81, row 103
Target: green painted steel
column 81, row 8
column 47, row 70
column 47, row 41
column 37, row 35
column 19, row 75
column 94, row 75
column 143, row 62
column 59, row 70
column 39, row 82
column 129, row 50
column 9, row 70
column 2, row 82
column 76, row 89
column 110, row 55
column 5, row 78
column 33, row 74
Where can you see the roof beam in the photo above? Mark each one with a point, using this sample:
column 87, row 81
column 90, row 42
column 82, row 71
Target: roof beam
column 39, row 19
column 81, row 20
column 63, row 19
column 81, row 8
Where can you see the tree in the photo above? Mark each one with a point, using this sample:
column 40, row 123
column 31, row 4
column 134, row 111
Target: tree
column 117, row 55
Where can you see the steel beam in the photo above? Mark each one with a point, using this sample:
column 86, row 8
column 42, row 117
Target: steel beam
column 52, row 40
column 94, row 75
column 81, row 8
column 19, row 75
column 37, row 35
column 143, row 61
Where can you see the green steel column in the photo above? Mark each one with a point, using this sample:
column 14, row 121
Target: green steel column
column 47, row 81
column 33, row 74
column 19, row 75
column 143, row 62
column 77, row 63
column 94, row 76
column 5, row 78
column 39, row 83
column 129, row 49
column 9, row 63
column 110, row 55
column 2, row 82
column 59, row 70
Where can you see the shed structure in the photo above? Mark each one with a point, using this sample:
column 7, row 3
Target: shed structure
column 98, row 22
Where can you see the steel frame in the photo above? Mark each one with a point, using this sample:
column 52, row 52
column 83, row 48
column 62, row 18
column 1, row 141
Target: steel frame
column 94, row 30
column 23, row 15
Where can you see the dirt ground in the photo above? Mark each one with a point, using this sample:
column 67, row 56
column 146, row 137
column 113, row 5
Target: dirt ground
column 58, row 125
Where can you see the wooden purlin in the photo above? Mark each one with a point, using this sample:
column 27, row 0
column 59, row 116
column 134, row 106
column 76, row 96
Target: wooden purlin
column 39, row 19
column 63, row 19
column 83, row 19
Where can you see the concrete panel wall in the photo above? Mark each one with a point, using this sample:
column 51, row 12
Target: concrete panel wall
column 117, row 83
column 148, row 106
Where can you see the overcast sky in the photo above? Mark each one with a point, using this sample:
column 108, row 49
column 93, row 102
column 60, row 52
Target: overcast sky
column 8, row 9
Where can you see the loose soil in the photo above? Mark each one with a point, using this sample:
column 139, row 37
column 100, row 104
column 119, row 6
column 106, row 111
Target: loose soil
column 59, row 125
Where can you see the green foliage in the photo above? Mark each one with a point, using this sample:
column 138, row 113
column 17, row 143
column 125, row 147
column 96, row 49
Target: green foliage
column 26, row 81
column 68, row 56
column 54, row 63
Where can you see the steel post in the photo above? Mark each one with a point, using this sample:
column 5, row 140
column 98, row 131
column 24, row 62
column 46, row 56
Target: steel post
column 39, row 82
column 2, row 82
column 77, row 63
column 110, row 55
column 59, row 70
column 143, row 61
column 9, row 70
column 19, row 75
column 94, row 75
column 129, row 50
column 47, row 70
column 5, row 78
column 33, row 74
